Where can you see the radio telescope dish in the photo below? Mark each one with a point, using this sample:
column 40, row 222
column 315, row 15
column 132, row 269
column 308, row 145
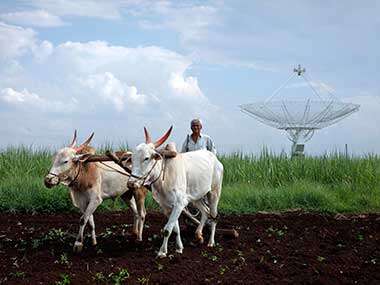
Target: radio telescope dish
column 300, row 117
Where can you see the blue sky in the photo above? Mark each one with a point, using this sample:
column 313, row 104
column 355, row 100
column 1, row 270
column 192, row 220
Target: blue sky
column 115, row 66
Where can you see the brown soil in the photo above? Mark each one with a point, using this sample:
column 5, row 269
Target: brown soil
column 292, row 247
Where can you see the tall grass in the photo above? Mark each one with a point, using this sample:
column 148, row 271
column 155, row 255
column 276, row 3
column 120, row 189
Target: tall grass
column 267, row 182
column 271, row 170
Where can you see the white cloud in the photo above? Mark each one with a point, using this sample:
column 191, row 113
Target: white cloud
column 135, row 82
column 35, row 18
column 189, row 20
column 89, row 80
column 83, row 8
column 185, row 86
column 28, row 101
column 112, row 90
column 15, row 41
column 42, row 51
column 12, row 96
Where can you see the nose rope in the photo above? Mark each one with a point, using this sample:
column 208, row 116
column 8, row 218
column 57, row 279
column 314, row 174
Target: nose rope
column 61, row 176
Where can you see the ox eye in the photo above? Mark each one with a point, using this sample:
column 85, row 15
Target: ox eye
column 146, row 158
column 66, row 161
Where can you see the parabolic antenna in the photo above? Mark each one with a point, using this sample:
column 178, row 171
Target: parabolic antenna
column 300, row 117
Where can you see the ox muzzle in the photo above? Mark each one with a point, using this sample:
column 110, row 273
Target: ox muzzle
column 51, row 180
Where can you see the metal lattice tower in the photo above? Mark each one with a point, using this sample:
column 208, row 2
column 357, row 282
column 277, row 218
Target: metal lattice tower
column 302, row 117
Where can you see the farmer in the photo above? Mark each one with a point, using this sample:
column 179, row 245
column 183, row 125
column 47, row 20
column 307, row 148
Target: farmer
column 196, row 140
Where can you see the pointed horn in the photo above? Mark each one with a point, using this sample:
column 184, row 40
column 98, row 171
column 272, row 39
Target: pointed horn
column 79, row 148
column 74, row 141
column 87, row 142
column 163, row 138
column 148, row 139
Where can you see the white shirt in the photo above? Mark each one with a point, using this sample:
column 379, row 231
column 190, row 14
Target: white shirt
column 203, row 142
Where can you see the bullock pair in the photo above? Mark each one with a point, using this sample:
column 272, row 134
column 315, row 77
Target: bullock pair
column 193, row 177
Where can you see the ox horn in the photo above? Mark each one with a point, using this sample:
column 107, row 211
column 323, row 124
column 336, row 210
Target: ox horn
column 74, row 142
column 163, row 138
column 148, row 139
column 86, row 143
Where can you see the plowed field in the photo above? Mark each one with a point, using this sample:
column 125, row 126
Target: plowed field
column 292, row 247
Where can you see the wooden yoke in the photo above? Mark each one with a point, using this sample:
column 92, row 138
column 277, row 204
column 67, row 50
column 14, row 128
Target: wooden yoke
column 119, row 157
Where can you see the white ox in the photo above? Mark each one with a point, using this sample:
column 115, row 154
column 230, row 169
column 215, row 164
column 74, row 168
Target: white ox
column 92, row 182
column 188, row 177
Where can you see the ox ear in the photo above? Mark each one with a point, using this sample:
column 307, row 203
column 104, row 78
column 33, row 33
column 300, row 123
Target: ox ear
column 156, row 156
column 148, row 139
column 163, row 138
column 74, row 141
column 81, row 157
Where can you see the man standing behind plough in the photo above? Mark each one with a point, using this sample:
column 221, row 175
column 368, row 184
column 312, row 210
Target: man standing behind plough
column 196, row 140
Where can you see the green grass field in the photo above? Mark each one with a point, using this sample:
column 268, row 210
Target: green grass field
column 331, row 183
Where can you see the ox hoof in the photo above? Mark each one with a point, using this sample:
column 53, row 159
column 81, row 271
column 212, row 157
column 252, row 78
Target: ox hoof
column 94, row 242
column 211, row 244
column 78, row 247
column 199, row 239
column 179, row 250
column 161, row 255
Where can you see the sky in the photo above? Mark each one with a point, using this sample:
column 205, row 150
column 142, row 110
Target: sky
column 115, row 66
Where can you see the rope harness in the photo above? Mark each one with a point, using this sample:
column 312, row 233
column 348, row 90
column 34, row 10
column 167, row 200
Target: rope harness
column 63, row 177
column 162, row 171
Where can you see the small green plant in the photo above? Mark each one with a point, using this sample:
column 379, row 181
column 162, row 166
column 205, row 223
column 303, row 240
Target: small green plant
column 65, row 280
column 160, row 266
column 204, row 253
column 219, row 247
column 321, row 258
column 360, row 237
column 99, row 277
column 63, row 259
column 119, row 277
column 276, row 232
column 36, row 243
column 143, row 280
column 223, row 269
column 18, row 274
column 55, row 235
column 107, row 233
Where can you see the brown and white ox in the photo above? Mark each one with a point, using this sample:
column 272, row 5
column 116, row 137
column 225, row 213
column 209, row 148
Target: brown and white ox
column 193, row 177
column 90, row 183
